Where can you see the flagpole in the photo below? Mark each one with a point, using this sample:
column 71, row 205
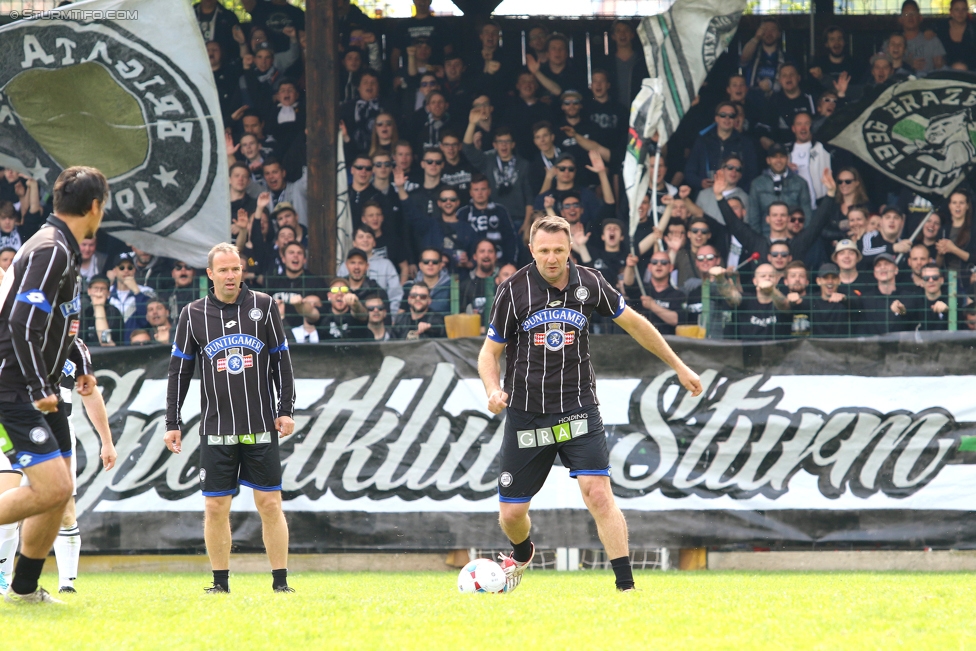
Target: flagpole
column 918, row 230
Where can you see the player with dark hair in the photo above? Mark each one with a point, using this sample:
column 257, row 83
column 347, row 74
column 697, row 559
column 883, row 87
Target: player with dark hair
column 541, row 319
column 40, row 306
column 247, row 393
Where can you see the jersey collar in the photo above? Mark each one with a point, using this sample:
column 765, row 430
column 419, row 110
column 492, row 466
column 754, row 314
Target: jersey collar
column 541, row 283
column 68, row 235
column 221, row 304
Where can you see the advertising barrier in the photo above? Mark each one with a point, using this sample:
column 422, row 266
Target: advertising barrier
column 812, row 442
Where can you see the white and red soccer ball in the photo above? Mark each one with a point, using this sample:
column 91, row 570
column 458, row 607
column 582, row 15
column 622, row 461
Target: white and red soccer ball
column 481, row 575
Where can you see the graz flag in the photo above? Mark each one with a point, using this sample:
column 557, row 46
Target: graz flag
column 921, row 132
column 681, row 46
column 645, row 114
column 102, row 83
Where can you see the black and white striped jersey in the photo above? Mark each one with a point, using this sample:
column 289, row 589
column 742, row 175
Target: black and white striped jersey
column 547, row 356
column 79, row 363
column 40, row 306
column 245, row 365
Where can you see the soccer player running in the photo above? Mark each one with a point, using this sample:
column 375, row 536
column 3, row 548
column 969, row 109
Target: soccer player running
column 540, row 319
column 247, row 393
column 39, row 311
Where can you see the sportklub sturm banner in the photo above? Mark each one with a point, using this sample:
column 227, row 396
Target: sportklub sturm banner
column 798, row 443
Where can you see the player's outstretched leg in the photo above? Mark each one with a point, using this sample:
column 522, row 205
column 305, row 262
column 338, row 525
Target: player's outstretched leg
column 514, row 520
column 610, row 524
column 216, row 534
column 275, row 534
column 67, row 549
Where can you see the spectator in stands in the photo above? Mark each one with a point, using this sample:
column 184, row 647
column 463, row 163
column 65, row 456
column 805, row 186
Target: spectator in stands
column 782, row 106
column 780, row 258
column 388, row 198
column 287, row 117
column 157, row 315
column 826, row 105
column 881, row 70
column 574, row 135
column 285, row 236
column 897, row 50
column 150, row 270
column 924, row 54
column 7, row 256
column 706, row 259
column 457, row 170
column 352, row 64
column 240, row 178
column 957, row 251
column 699, row 234
column 311, row 331
column 140, row 337
column 490, row 219
column 358, row 116
column 446, row 232
column 253, row 157
column 183, row 290
column 706, row 204
column 492, row 66
column 422, row 24
column 484, row 126
column 522, row 112
column 886, row 307
column 857, row 222
column 662, row 304
column 507, row 174
column 935, row 312
column 128, row 296
column 423, row 198
column 836, row 60
column 504, row 273
column 435, row 279
column 263, row 72
column 557, row 74
column 419, row 54
column 9, row 234
column 388, row 245
column 226, row 75
column 92, row 262
column 808, row 159
column 717, row 145
column 918, row 257
column 280, row 19
column 756, row 316
column 957, row 35
column 345, row 317
column 361, row 190
column 562, row 176
column 609, row 257
column 385, row 134
column 284, row 215
column 420, row 321
column 778, row 183
column 377, row 268
column 376, row 311
column 284, row 190
column 887, row 239
column 414, row 95
column 537, row 41
column 475, row 285
column 625, row 67
column 456, row 85
column 847, row 257
column 931, row 233
column 608, row 118
column 295, row 288
column 762, row 56
column 101, row 322
column 427, row 123
column 823, row 314
column 794, row 285
column 545, row 156
column 217, row 24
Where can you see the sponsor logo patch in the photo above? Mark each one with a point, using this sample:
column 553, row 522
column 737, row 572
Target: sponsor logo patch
column 230, row 324
column 582, row 293
column 38, row 435
column 233, row 341
column 555, row 338
column 235, row 363
column 505, row 479
column 71, row 307
column 560, row 433
column 73, row 328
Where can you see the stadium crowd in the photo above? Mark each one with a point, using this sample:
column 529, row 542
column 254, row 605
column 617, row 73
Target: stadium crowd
column 455, row 142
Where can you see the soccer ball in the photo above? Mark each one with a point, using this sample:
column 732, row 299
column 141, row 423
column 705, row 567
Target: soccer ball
column 481, row 575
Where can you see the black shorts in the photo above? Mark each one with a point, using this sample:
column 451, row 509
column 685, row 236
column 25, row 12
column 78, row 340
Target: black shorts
column 248, row 459
column 30, row 437
column 532, row 442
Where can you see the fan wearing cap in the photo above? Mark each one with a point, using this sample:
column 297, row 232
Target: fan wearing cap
column 886, row 307
column 128, row 296
column 777, row 183
column 101, row 322
column 284, row 215
column 575, row 134
column 823, row 314
column 367, row 272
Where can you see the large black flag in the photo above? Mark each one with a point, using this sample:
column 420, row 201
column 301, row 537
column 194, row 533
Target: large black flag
column 920, row 132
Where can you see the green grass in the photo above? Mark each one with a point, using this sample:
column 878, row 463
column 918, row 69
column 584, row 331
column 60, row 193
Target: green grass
column 580, row 610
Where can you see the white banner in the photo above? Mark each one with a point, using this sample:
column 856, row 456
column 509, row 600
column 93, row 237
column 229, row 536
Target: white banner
column 124, row 86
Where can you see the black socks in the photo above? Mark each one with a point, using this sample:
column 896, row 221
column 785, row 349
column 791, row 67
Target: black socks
column 26, row 574
column 623, row 572
column 220, row 578
column 279, row 579
column 523, row 550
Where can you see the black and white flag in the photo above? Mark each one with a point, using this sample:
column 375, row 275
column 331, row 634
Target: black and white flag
column 921, row 132
column 101, row 83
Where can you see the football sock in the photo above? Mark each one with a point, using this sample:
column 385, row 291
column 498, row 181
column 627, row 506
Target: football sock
column 67, row 549
column 623, row 572
column 26, row 575
column 279, row 578
column 221, row 578
column 523, row 550
column 9, row 537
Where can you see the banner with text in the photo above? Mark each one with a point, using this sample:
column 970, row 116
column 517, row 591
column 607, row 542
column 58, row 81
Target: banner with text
column 395, row 449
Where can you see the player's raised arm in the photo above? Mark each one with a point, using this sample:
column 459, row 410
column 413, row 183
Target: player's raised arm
column 181, row 365
column 647, row 336
column 30, row 314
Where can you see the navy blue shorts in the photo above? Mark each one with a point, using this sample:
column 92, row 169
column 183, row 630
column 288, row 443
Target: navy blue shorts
column 532, row 442
column 249, row 459
column 30, row 437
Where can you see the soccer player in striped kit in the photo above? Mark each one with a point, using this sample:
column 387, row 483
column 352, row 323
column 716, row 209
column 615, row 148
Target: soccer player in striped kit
column 540, row 320
column 247, row 397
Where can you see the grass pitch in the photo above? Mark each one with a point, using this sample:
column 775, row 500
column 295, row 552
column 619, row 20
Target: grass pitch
column 550, row 610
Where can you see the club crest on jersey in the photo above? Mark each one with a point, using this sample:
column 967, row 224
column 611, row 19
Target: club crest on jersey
column 582, row 293
column 555, row 338
column 255, row 314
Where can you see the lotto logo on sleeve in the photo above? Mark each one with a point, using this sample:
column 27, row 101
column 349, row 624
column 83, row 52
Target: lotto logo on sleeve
column 531, row 438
